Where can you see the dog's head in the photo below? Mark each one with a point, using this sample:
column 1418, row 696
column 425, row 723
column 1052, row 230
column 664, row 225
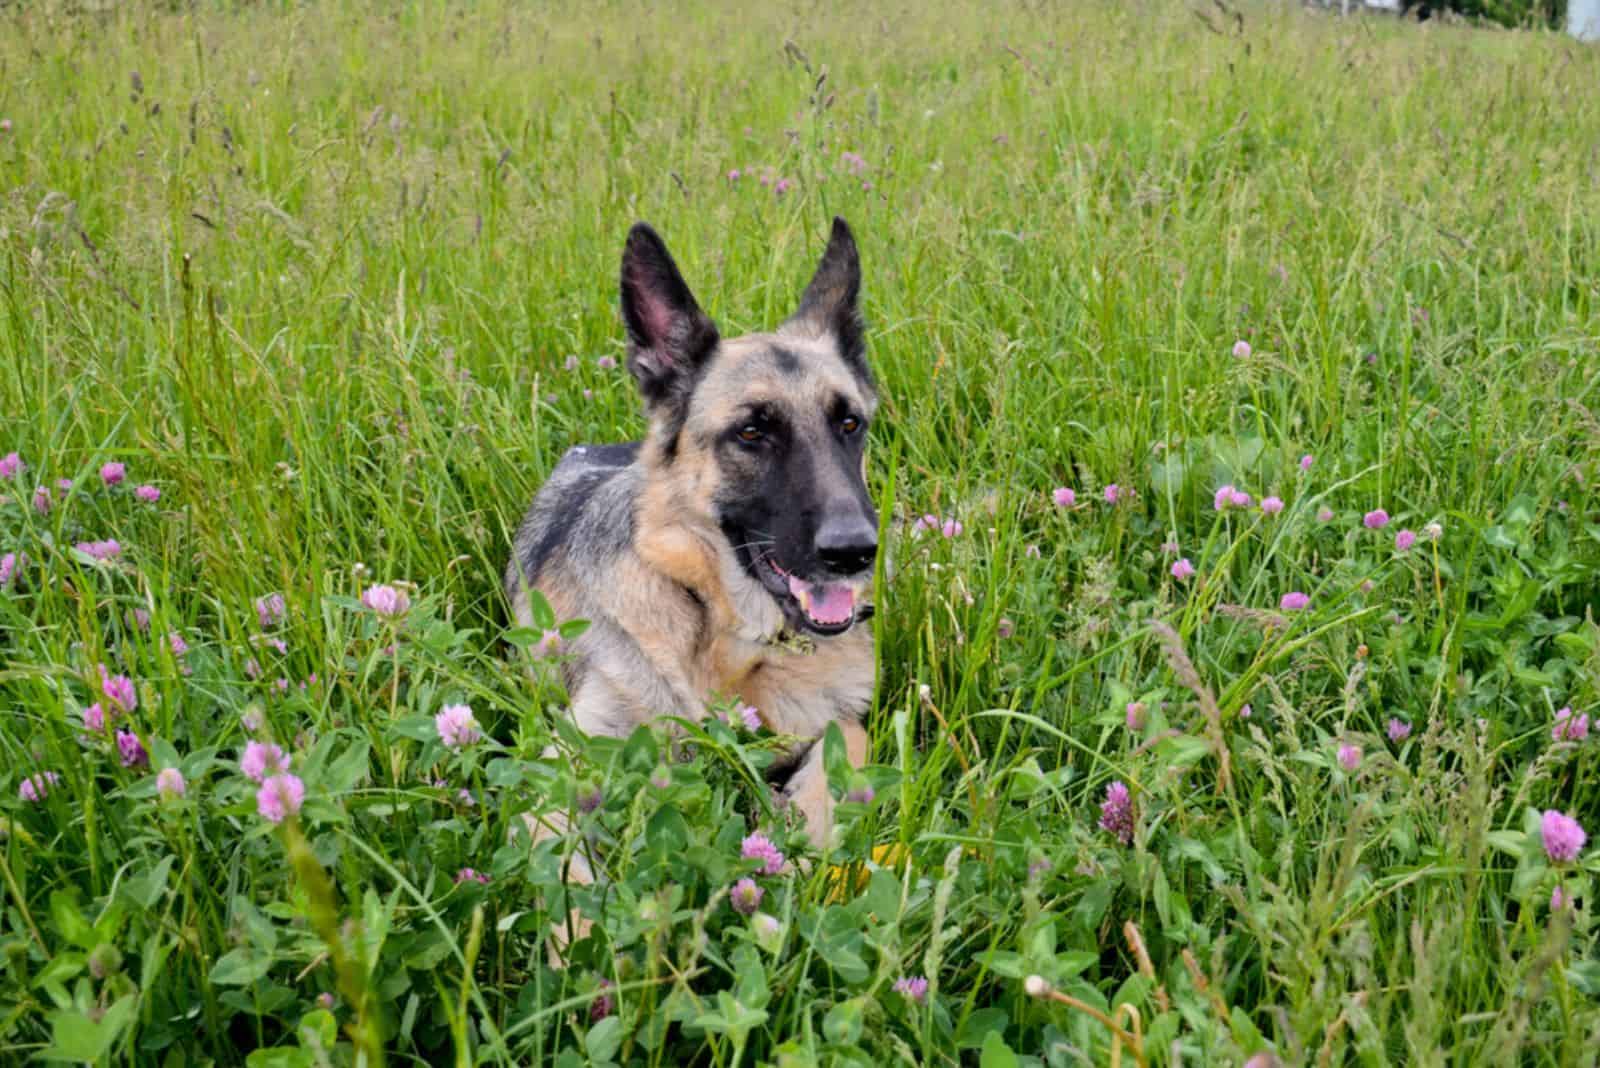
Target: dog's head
column 765, row 434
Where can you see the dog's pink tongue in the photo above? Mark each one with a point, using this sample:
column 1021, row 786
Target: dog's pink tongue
column 829, row 604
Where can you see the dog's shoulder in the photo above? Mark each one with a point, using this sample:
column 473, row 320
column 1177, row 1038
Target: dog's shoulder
column 585, row 507
column 600, row 457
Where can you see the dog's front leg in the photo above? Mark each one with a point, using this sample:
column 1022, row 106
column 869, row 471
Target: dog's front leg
column 575, row 926
column 597, row 711
column 807, row 790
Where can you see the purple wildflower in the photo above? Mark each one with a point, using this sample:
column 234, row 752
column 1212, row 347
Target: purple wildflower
column 1134, row 716
column 131, row 750
column 606, row 363
column 100, row 550
column 94, row 718
column 471, row 875
column 1306, row 461
column 1398, row 729
column 35, row 787
column 1241, row 349
column 271, row 609
column 746, row 896
column 262, row 760
column 1563, row 837
column 1113, row 493
column 41, row 500
column 602, row 1006
column 750, row 716
column 280, row 797
column 113, row 472
column 1349, row 756
column 759, row 847
column 1375, row 519
column 119, row 689
column 170, row 784
column 10, row 565
column 1183, row 570
column 11, row 465
column 389, row 603
column 147, row 494
column 912, row 988
column 1116, row 812
column 1064, row 497
column 1272, row 505
column 456, row 726
column 1404, row 540
column 1324, row 514
column 1294, row 601
column 1570, row 727
column 952, row 528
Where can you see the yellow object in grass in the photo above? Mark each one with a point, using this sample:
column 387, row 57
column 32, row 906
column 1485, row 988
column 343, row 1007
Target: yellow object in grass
column 847, row 880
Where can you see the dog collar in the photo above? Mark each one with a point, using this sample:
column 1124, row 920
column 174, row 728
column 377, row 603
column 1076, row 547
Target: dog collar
column 791, row 642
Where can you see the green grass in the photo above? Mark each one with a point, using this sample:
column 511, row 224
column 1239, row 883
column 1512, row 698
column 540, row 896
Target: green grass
column 315, row 272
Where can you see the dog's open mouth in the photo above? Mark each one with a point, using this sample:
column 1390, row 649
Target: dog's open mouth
column 823, row 607
column 827, row 607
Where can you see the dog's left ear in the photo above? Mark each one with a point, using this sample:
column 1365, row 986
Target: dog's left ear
column 831, row 305
column 668, row 335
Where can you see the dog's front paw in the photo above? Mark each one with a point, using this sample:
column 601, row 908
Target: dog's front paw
column 575, row 928
column 811, row 802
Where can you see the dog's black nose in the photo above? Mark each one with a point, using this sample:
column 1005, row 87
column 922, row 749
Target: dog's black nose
column 847, row 544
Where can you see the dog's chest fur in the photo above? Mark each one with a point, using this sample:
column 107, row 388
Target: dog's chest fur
column 736, row 642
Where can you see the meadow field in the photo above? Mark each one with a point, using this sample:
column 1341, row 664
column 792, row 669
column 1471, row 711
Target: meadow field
column 1237, row 463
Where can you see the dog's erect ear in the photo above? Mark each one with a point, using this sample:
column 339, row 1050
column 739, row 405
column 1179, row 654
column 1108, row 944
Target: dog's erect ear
column 668, row 335
column 831, row 303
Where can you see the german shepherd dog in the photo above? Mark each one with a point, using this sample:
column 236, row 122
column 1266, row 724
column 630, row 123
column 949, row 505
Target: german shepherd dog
column 727, row 554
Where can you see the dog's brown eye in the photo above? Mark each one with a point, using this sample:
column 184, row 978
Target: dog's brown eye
column 850, row 424
column 750, row 434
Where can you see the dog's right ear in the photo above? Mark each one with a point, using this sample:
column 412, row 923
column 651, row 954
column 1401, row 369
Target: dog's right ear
column 668, row 335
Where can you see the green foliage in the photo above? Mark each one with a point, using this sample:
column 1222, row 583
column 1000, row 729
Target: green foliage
column 1519, row 13
column 315, row 273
